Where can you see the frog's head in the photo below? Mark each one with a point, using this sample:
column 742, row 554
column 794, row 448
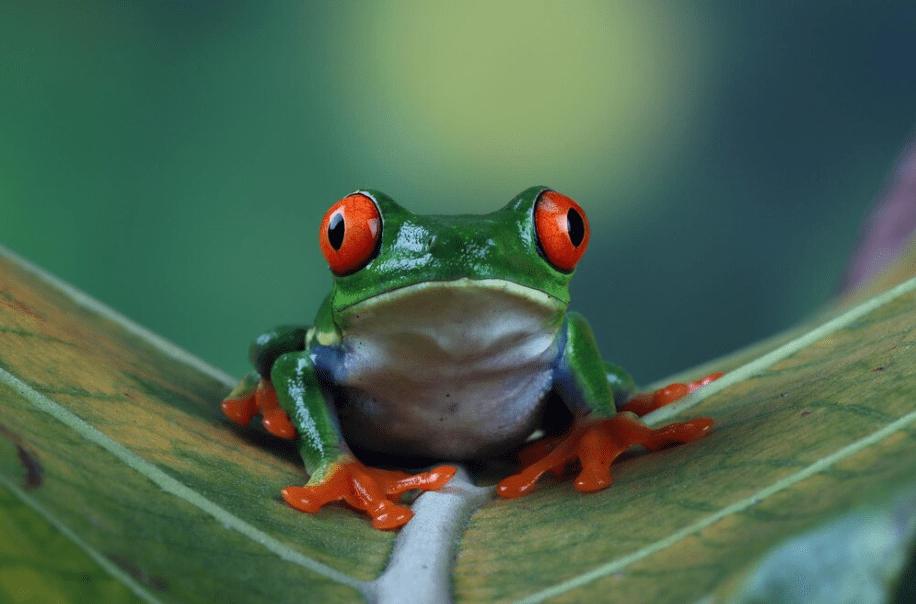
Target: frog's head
column 375, row 247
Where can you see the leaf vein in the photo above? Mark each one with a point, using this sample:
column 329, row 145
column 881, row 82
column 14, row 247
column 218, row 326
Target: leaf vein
column 756, row 367
column 97, row 556
column 739, row 506
column 170, row 484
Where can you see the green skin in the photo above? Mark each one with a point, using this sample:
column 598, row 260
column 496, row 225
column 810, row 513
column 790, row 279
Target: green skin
column 325, row 380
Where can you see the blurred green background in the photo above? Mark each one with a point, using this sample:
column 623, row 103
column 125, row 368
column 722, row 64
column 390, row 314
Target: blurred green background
column 174, row 159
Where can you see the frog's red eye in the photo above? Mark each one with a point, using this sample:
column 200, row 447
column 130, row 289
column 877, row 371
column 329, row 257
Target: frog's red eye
column 350, row 233
column 562, row 229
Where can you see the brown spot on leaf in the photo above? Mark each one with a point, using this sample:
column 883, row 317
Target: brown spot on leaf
column 27, row 457
column 155, row 582
column 29, row 461
column 18, row 306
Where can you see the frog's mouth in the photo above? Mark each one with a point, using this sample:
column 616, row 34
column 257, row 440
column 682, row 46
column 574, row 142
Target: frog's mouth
column 480, row 312
column 469, row 290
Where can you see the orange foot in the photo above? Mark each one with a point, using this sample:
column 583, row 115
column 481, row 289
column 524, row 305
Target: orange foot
column 262, row 399
column 642, row 404
column 371, row 490
column 596, row 444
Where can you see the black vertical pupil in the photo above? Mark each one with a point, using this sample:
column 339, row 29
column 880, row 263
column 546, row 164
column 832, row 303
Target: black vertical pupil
column 575, row 226
column 336, row 230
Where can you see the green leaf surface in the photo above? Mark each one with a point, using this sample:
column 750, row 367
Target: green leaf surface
column 114, row 440
column 39, row 564
column 133, row 457
column 798, row 442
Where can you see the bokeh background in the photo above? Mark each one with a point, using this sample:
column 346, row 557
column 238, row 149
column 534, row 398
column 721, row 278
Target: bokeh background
column 174, row 159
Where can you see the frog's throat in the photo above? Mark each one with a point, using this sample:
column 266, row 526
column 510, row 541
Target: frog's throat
column 530, row 294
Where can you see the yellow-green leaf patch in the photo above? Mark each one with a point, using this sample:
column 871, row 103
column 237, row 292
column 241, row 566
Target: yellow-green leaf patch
column 135, row 437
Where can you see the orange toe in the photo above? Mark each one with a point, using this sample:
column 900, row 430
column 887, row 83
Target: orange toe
column 371, row 490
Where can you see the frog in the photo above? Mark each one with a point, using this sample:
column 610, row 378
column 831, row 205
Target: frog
column 447, row 338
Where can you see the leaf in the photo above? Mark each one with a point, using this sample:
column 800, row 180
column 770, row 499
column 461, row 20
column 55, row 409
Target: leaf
column 135, row 459
column 40, row 564
column 115, row 439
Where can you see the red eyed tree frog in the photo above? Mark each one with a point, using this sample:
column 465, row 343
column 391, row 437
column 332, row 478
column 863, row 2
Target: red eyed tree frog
column 447, row 337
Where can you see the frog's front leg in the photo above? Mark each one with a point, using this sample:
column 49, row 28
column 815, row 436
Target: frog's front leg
column 599, row 433
column 334, row 473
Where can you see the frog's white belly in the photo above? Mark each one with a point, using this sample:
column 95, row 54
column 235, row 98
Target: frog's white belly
column 448, row 371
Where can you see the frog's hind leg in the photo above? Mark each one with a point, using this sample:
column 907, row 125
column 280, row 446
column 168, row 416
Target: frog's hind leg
column 622, row 385
column 239, row 405
column 644, row 403
column 254, row 395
